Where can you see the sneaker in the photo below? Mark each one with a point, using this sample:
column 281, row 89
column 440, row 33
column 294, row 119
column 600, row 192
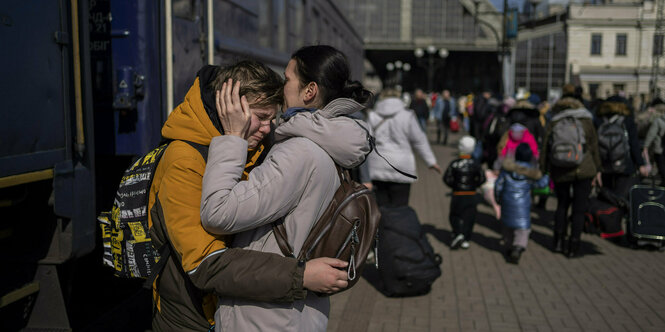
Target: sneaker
column 457, row 241
column 515, row 254
column 465, row 245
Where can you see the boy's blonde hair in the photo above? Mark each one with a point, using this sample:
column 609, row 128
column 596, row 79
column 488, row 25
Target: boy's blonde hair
column 261, row 85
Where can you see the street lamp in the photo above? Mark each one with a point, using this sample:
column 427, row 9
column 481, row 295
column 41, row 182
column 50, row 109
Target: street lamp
column 534, row 4
column 432, row 62
column 501, row 41
column 399, row 67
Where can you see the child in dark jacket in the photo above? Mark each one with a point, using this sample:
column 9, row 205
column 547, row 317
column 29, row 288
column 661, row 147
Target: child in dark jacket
column 512, row 191
column 464, row 176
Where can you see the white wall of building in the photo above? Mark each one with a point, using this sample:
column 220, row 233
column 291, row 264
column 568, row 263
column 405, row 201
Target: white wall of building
column 609, row 70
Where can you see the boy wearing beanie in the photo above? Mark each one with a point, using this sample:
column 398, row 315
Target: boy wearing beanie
column 464, row 175
column 512, row 191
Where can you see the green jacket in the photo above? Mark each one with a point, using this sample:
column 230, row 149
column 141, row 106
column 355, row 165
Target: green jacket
column 591, row 163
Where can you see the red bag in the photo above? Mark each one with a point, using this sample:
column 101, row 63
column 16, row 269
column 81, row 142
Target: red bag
column 454, row 124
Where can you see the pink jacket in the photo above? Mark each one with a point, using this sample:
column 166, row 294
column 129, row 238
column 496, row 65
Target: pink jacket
column 511, row 144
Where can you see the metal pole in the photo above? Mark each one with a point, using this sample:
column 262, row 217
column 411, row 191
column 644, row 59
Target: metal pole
column 499, row 40
column 655, row 63
column 528, row 65
column 168, row 58
column 503, row 48
column 550, row 59
column 430, row 73
column 211, row 34
column 78, row 99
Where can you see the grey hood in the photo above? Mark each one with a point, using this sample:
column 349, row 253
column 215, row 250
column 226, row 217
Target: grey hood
column 346, row 140
column 579, row 113
column 389, row 106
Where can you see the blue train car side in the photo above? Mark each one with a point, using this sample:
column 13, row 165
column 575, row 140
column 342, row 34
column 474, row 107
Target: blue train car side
column 86, row 86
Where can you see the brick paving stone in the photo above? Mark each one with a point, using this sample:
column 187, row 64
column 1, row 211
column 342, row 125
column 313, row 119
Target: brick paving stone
column 610, row 288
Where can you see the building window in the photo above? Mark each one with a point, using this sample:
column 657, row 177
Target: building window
column 618, row 88
column 593, row 90
column 657, row 44
column 621, row 44
column 596, row 43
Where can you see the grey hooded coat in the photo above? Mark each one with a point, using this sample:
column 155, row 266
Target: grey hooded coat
column 297, row 180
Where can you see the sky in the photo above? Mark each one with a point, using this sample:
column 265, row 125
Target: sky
column 511, row 3
column 520, row 3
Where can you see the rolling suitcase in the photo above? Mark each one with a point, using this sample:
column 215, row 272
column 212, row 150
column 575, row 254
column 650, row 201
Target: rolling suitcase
column 407, row 263
column 647, row 213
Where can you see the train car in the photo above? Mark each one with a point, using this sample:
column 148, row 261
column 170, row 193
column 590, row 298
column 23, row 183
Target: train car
column 86, row 87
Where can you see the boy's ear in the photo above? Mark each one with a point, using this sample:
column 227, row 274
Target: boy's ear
column 311, row 91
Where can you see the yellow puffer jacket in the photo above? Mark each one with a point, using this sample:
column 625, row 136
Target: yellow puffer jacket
column 201, row 266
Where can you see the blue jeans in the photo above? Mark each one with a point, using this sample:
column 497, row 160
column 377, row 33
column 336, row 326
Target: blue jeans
column 423, row 123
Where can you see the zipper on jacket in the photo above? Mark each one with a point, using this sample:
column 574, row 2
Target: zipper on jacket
column 376, row 249
column 351, row 273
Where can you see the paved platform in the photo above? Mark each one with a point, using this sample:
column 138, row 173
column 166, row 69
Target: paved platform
column 610, row 288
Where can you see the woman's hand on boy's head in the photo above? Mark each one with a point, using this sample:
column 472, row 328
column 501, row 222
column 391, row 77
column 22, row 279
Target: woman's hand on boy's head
column 233, row 111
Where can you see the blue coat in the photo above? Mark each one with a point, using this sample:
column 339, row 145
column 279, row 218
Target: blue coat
column 437, row 110
column 512, row 191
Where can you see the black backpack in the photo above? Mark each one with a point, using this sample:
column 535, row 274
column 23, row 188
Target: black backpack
column 613, row 145
column 128, row 248
column 409, row 265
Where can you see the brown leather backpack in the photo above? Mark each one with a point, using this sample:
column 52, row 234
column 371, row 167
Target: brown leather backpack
column 347, row 229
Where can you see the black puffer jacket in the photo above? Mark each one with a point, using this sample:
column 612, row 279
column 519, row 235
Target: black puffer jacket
column 464, row 174
column 530, row 118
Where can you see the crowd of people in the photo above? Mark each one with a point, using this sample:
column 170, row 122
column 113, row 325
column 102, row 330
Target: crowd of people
column 215, row 209
column 531, row 148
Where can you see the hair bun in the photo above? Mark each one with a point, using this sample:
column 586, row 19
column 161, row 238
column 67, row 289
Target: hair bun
column 356, row 91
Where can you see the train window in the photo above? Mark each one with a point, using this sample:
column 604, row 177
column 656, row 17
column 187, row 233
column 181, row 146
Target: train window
column 296, row 13
column 280, row 26
column 266, row 33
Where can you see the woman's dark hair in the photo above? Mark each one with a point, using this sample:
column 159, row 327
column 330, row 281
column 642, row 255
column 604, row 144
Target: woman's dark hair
column 329, row 69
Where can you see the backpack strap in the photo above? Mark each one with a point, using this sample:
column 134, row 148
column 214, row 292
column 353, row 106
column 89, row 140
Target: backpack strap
column 383, row 120
column 164, row 254
column 282, row 238
column 165, row 249
column 372, row 147
column 202, row 149
column 616, row 117
column 279, row 230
